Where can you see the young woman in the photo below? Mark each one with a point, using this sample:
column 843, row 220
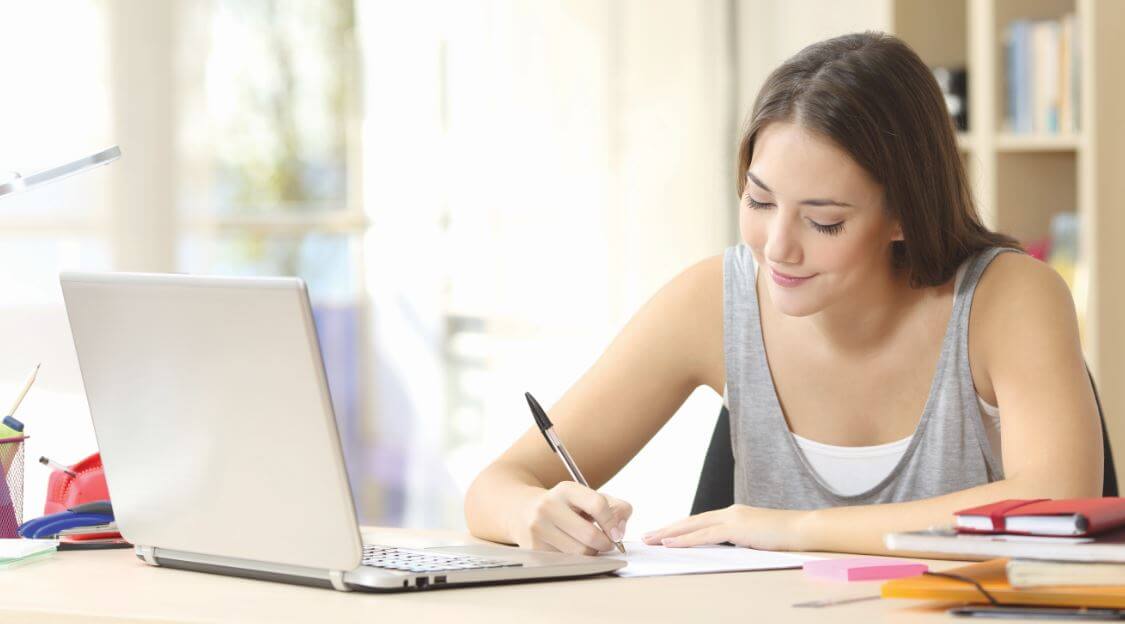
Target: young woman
column 885, row 358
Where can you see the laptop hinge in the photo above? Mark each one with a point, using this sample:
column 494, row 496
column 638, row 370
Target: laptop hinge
column 337, row 579
column 148, row 553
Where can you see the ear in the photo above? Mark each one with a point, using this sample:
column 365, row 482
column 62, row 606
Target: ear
column 896, row 232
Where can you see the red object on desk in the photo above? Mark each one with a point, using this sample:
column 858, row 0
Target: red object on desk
column 1096, row 514
column 87, row 486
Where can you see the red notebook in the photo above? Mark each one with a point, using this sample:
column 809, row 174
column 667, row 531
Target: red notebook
column 1071, row 517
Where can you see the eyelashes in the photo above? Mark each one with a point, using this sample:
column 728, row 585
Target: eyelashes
column 831, row 229
column 757, row 205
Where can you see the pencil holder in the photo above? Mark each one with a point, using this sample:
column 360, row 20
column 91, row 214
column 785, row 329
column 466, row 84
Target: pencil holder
column 11, row 486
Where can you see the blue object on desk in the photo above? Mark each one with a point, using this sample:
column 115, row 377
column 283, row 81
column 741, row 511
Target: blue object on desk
column 89, row 514
column 49, row 526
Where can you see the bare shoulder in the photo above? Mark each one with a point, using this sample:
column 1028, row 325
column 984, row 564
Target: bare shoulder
column 701, row 281
column 1025, row 351
column 1022, row 315
column 1016, row 284
column 678, row 333
column 689, row 313
column 690, row 296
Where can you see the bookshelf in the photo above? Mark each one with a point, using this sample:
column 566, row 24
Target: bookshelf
column 1021, row 180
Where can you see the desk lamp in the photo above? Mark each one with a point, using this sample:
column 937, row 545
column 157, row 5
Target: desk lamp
column 39, row 178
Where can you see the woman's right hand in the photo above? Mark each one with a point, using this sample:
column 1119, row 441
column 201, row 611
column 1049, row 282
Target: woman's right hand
column 561, row 519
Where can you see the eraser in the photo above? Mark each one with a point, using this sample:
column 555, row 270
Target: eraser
column 863, row 568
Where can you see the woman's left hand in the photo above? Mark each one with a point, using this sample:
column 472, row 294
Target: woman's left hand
column 753, row 527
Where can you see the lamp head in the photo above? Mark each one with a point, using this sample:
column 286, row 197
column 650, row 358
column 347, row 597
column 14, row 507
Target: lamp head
column 46, row 176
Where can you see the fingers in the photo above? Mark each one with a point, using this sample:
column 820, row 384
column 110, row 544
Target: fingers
column 584, row 532
column 681, row 527
column 543, row 530
column 708, row 535
column 559, row 540
column 597, row 506
column 622, row 511
column 563, row 518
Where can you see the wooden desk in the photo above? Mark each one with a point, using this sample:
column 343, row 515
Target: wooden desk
column 114, row 586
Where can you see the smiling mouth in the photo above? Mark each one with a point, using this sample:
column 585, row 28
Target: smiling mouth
column 790, row 277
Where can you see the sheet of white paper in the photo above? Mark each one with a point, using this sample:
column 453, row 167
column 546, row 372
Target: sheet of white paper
column 645, row 560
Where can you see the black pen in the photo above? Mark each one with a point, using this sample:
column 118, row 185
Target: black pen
column 547, row 429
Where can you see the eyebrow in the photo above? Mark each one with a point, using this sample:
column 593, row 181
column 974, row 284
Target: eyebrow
column 807, row 202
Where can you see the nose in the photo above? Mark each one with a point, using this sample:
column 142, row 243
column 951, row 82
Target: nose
column 783, row 242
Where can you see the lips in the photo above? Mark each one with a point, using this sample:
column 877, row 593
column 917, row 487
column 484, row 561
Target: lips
column 789, row 281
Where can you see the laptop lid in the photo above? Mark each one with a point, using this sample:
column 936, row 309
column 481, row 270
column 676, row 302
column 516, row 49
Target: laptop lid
column 213, row 417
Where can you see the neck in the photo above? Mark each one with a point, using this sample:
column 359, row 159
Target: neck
column 872, row 312
column 870, row 315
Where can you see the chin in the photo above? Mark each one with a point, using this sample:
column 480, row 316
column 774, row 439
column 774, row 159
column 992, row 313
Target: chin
column 792, row 303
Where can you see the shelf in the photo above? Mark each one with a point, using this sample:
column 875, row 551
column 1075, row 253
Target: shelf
column 1031, row 187
column 1021, row 181
column 1008, row 142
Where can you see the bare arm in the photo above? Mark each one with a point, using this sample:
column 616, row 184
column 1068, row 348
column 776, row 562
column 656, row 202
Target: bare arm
column 672, row 346
column 1024, row 334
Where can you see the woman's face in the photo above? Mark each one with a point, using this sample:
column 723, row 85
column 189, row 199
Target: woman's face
column 814, row 220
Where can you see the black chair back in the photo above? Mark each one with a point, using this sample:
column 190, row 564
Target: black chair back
column 716, row 480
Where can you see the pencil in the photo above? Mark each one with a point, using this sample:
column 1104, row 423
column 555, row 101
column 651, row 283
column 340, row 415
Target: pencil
column 26, row 386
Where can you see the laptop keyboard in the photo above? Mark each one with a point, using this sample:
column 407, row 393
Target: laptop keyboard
column 408, row 560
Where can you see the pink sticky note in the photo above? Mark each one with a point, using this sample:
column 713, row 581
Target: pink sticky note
column 863, row 568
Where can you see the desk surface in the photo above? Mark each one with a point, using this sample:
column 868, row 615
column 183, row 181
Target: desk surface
column 114, row 586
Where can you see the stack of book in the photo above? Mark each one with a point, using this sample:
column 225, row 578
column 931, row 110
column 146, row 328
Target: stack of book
column 1048, row 552
column 1080, row 519
column 1042, row 75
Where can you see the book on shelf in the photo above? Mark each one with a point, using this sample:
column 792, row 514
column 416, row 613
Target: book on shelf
column 1042, row 76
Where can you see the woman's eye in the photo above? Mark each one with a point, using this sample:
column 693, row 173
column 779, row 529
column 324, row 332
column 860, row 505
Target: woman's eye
column 831, row 229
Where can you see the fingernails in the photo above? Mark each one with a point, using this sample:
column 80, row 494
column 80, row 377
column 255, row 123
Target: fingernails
column 615, row 534
column 668, row 541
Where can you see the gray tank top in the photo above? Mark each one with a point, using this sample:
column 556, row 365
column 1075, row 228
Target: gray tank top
column 949, row 450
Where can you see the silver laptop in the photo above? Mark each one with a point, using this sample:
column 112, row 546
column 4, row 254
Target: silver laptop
column 213, row 417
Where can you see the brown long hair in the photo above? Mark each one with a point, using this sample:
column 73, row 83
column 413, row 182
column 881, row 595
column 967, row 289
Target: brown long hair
column 872, row 95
